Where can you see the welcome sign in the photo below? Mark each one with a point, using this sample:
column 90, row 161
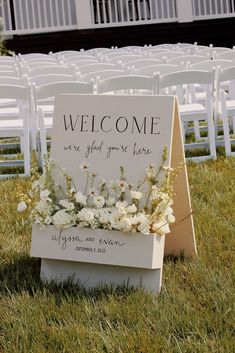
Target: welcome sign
column 110, row 132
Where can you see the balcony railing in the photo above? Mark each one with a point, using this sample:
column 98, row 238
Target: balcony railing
column 208, row 9
column 35, row 16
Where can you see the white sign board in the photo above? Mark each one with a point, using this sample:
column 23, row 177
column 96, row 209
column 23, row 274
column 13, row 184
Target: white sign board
column 110, row 131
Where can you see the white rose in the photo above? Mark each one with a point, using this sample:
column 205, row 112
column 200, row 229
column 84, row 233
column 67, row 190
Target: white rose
column 67, row 204
column 131, row 209
column 121, row 204
column 161, row 227
column 21, row 206
column 125, row 224
column 142, row 218
column 99, row 201
column 43, row 208
column 62, row 219
column 111, row 201
column 86, row 215
column 136, row 195
column 44, row 194
column 80, row 198
column 144, row 227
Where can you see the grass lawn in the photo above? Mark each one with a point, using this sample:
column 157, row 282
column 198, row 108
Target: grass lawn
column 193, row 313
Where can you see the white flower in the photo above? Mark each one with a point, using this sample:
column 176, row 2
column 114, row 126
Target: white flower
column 169, row 214
column 86, row 214
column 21, row 206
column 125, row 224
column 122, row 185
column 121, row 204
column 99, row 201
column 43, row 208
column 80, row 198
column 93, row 192
column 110, row 201
column 142, row 218
column 161, row 227
column 62, row 219
column 131, row 209
column 151, row 172
column 136, row 195
column 67, row 204
column 84, row 166
column 44, row 194
column 144, row 227
column 48, row 220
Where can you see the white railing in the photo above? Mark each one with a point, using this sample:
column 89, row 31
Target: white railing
column 208, row 9
column 128, row 12
column 33, row 16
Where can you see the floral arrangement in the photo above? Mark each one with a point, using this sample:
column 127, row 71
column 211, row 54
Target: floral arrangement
column 117, row 205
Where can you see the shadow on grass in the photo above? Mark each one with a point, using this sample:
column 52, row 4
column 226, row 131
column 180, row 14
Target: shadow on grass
column 23, row 275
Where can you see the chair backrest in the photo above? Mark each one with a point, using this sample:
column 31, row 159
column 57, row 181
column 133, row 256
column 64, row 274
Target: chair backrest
column 5, row 80
column 14, row 92
column 228, row 55
column 167, row 55
column 208, row 65
column 55, row 69
column 161, row 68
column 188, row 78
column 101, row 75
column 185, row 59
column 9, row 73
column 116, row 53
column 96, row 67
column 128, row 85
column 46, row 79
column 32, row 56
column 54, row 89
column 124, row 58
column 141, row 63
column 77, row 58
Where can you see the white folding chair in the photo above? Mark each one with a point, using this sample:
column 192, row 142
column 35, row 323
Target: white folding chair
column 136, row 64
column 228, row 55
column 163, row 69
column 167, row 55
column 14, row 123
column 50, row 70
column 128, row 84
column 84, row 69
column 189, row 110
column 101, row 74
column 122, row 59
column 185, row 59
column 44, row 119
column 225, row 106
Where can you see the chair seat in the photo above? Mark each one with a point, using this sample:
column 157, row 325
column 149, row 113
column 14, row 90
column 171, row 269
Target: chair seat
column 9, row 111
column 230, row 105
column 11, row 124
column 194, row 108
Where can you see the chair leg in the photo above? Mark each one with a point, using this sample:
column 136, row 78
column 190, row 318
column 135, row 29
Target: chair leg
column 227, row 143
column 43, row 140
column 26, row 148
column 197, row 130
column 211, row 136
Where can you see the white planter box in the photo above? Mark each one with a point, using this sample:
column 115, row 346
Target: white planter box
column 98, row 246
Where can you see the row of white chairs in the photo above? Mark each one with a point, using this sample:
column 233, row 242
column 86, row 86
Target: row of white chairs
column 33, row 117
